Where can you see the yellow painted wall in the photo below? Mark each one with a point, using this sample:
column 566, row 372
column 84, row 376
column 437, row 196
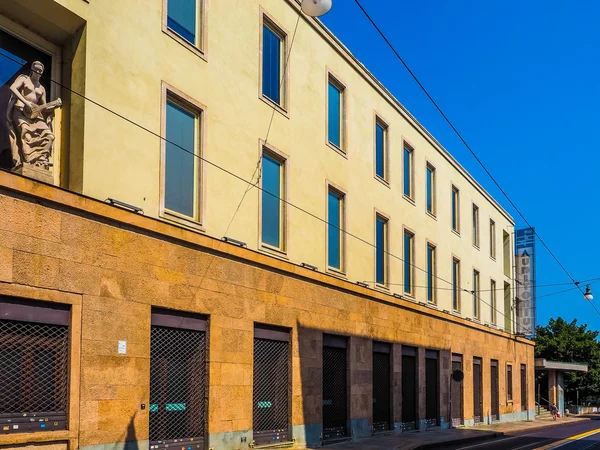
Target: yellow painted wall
column 128, row 56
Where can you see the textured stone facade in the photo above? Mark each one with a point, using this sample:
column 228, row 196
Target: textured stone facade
column 113, row 266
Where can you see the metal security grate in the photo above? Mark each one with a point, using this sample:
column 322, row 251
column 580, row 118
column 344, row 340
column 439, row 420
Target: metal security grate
column 334, row 393
column 177, row 387
column 271, row 404
column 34, row 376
column 523, row 387
column 477, row 391
column 381, row 391
column 409, row 393
column 432, row 390
column 495, row 391
column 456, row 397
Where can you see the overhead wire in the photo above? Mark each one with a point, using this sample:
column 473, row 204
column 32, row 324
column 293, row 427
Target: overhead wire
column 249, row 183
column 462, row 139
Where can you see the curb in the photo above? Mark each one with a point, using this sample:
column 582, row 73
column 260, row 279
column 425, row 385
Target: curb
column 468, row 440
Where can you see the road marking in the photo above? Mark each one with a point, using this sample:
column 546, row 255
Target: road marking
column 481, row 444
column 576, row 437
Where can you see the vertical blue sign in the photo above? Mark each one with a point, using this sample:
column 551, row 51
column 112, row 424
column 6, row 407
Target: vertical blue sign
column 525, row 265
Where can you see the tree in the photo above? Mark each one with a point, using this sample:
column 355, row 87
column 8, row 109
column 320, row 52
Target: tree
column 570, row 342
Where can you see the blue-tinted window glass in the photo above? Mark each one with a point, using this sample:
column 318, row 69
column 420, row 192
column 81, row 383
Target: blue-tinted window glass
column 454, row 210
column 476, row 294
column 271, row 70
column 380, row 150
column 380, row 251
column 455, row 275
column 407, row 171
column 429, row 190
column 430, row 272
column 334, row 250
column 334, row 115
column 182, row 18
column 407, row 262
column 271, row 204
column 180, row 172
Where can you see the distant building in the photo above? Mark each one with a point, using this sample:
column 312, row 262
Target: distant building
column 118, row 326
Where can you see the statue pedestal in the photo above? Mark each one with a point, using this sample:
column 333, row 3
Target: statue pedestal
column 37, row 173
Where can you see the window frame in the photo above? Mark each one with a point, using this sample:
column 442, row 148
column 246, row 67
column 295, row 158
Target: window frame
column 456, row 279
column 269, row 21
column 476, row 294
column 433, row 247
column 378, row 120
column 493, row 301
column 430, row 167
column 407, row 147
column 283, row 159
column 25, row 294
column 412, row 238
column 386, row 255
column 475, row 219
column 171, row 94
column 342, row 194
column 200, row 46
column 335, row 80
column 493, row 239
column 455, row 209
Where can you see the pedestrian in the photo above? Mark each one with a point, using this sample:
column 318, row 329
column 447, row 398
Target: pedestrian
column 554, row 411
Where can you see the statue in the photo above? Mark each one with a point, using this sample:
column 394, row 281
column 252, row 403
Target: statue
column 29, row 121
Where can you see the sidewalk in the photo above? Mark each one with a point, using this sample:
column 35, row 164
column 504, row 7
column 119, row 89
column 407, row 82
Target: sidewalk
column 437, row 438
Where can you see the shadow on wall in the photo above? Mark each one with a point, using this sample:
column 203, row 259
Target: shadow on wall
column 341, row 368
column 131, row 442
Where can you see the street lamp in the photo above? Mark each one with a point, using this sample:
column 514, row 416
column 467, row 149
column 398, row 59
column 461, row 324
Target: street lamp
column 316, row 8
column 588, row 293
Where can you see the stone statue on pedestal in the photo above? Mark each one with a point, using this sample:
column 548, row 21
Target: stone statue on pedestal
column 29, row 122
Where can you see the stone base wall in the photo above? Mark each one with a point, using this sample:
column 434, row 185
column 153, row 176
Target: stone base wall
column 113, row 267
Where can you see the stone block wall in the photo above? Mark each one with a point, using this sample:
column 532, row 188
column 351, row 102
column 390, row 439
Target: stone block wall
column 113, row 266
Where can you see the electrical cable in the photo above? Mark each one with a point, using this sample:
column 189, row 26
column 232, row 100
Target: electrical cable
column 286, row 202
column 468, row 146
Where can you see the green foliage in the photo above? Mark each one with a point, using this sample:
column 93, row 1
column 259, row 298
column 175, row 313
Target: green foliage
column 570, row 342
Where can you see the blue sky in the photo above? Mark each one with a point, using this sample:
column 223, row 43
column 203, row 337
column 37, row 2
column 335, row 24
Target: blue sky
column 520, row 81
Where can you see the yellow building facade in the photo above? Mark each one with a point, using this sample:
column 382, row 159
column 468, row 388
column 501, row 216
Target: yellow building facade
column 200, row 114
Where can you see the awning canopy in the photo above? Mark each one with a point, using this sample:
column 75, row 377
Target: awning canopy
column 544, row 364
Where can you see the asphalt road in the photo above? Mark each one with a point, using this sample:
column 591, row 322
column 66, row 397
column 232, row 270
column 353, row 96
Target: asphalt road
column 582, row 436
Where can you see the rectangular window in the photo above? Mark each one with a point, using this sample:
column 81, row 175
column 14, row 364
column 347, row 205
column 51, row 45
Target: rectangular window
column 476, row 294
column 335, row 219
column 381, row 249
column 430, row 189
column 455, row 284
column 492, row 239
column 493, row 302
column 183, row 18
column 431, row 273
column 409, row 263
column 181, row 162
column 507, row 254
column 381, row 150
column 273, row 207
column 475, row 225
column 509, row 382
column 335, row 113
column 408, row 162
column 455, row 209
column 34, row 365
column 273, row 57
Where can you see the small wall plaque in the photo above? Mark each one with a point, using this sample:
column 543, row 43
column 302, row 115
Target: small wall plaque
column 122, row 347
